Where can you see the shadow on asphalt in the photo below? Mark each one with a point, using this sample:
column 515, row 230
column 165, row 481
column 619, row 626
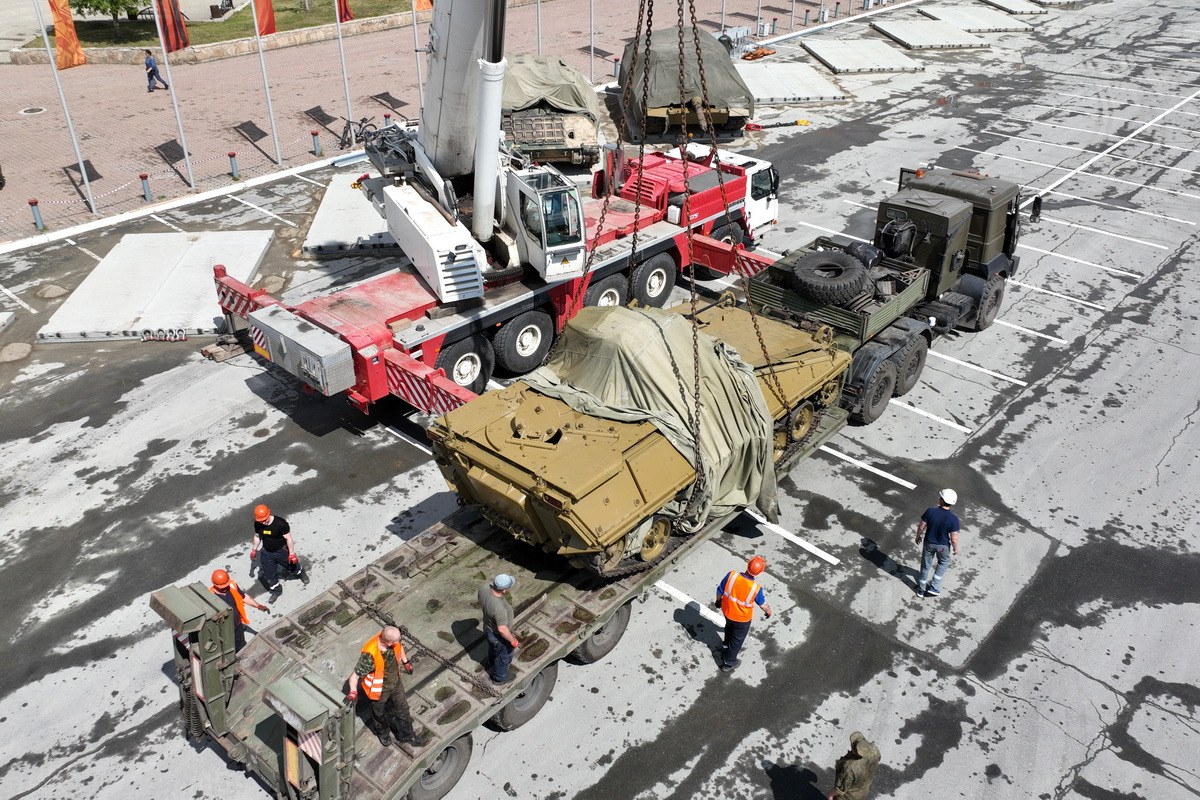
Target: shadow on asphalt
column 792, row 782
column 906, row 575
column 698, row 628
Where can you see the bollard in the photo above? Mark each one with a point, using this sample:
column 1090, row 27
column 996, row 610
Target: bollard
column 145, row 186
column 316, row 144
column 233, row 170
column 387, row 119
column 774, row 25
column 837, row 8
column 37, row 216
column 806, row 13
column 616, row 68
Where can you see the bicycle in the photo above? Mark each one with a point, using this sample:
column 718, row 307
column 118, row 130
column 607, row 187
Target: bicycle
column 354, row 132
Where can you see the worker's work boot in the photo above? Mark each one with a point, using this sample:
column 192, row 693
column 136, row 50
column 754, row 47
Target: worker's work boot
column 413, row 739
column 385, row 738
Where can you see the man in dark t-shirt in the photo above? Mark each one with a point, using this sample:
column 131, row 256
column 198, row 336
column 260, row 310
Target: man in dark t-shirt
column 939, row 527
column 274, row 536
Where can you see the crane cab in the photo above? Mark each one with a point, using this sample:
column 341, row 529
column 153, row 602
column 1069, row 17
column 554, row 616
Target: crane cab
column 547, row 222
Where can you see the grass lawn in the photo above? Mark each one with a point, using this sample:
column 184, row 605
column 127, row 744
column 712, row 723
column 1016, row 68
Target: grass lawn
column 289, row 15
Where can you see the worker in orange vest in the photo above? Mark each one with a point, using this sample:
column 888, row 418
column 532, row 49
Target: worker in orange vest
column 378, row 669
column 229, row 591
column 737, row 594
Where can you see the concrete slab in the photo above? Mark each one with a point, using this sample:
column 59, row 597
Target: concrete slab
column 1056, row 2
column 1017, row 6
column 976, row 20
column 158, row 285
column 346, row 222
column 788, row 82
column 861, row 55
column 5, row 318
column 928, row 34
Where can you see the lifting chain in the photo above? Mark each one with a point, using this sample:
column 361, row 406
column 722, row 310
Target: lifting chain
column 384, row 619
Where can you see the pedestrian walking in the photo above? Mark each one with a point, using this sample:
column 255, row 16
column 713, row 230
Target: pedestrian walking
column 737, row 594
column 378, row 670
column 497, row 625
column 228, row 590
column 152, row 73
column 939, row 527
column 274, row 536
column 855, row 770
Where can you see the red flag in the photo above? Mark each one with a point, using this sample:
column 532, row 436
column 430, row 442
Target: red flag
column 266, row 16
column 67, row 51
column 423, row 5
column 173, row 28
column 343, row 11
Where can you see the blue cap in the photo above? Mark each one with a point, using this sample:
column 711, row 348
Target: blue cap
column 503, row 582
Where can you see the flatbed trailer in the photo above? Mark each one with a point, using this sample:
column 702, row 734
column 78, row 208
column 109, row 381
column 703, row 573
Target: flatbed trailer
column 277, row 707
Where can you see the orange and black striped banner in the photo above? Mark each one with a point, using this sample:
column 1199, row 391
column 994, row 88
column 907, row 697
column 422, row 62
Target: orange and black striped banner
column 343, row 11
column 67, row 50
column 174, row 30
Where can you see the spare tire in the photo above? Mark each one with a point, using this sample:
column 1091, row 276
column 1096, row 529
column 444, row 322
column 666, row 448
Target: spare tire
column 829, row 277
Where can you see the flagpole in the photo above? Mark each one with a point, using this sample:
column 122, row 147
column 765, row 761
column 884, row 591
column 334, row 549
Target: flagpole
column 266, row 87
column 87, row 185
column 337, row 16
column 187, row 157
column 417, row 52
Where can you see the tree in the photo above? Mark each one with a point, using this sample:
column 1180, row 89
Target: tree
column 113, row 8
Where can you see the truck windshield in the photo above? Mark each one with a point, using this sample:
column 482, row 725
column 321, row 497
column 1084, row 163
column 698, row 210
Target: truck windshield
column 561, row 211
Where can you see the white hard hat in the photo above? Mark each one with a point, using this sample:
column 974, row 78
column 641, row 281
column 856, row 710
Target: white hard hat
column 949, row 496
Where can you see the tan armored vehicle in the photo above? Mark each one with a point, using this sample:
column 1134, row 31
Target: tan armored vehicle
column 593, row 456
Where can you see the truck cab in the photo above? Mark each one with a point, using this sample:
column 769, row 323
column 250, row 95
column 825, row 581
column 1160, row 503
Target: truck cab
column 548, row 224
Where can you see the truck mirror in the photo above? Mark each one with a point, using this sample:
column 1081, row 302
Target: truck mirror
column 1035, row 209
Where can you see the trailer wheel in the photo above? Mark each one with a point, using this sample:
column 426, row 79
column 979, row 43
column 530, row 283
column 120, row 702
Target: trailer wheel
column 605, row 638
column 468, row 362
column 989, row 302
column 651, row 281
column 877, row 393
column 909, row 363
column 829, row 277
column 610, row 291
column 521, row 343
column 445, row 771
column 528, row 703
column 732, row 234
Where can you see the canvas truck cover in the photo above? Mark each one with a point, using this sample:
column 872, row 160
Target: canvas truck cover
column 726, row 89
column 533, row 79
column 633, row 365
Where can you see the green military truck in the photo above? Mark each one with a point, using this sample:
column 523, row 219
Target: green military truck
column 943, row 249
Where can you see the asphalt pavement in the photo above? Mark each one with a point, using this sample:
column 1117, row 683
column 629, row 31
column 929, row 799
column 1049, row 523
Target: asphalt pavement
column 1061, row 660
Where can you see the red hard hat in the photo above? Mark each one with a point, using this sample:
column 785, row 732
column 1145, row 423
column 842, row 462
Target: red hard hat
column 756, row 565
column 220, row 578
column 261, row 513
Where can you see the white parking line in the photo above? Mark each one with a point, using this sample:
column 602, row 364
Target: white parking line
column 839, row 454
column 833, row 232
column 1126, row 89
column 157, row 218
column 83, row 249
column 263, row 210
column 1121, row 236
column 1124, row 104
column 1030, row 331
column 1109, row 116
column 934, row 417
column 1112, row 205
column 1137, row 275
column 968, row 365
column 408, row 439
column 1107, row 136
column 791, row 537
column 1040, row 290
column 688, row 600
column 310, row 180
column 18, row 300
column 860, row 205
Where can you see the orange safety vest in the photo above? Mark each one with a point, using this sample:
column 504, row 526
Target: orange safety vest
column 737, row 597
column 373, row 683
column 237, row 600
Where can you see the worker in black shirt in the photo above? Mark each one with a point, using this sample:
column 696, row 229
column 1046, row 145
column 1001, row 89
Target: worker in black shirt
column 274, row 536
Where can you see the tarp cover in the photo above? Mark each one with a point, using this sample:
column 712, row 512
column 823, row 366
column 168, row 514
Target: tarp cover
column 634, row 365
column 726, row 89
column 533, row 79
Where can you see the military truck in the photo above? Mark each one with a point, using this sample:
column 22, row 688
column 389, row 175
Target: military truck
column 594, row 456
column 943, row 249
column 277, row 709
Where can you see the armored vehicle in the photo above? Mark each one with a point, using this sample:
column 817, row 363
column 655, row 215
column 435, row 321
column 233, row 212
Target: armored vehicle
column 943, row 249
column 550, row 111
column 594, row 456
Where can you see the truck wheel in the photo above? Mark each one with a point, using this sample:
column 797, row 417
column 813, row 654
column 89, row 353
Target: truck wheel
column 602, row 642
column 909, row 361
column 989, row 302
column 610, row 291
column 521, row 343
column 651, row 282
column 468, row 362
column 437, row 781
column 733, row 234
column 528, row 703
column 829, row 277
column 877, row 393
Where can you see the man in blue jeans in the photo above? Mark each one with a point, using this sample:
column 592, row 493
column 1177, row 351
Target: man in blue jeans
column 497, row 622
column 939, row 527
column 152, row 73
